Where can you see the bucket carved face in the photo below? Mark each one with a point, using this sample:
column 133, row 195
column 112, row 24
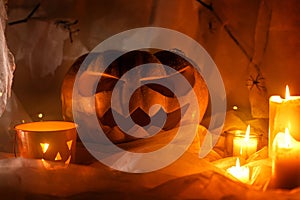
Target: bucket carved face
column 48, row 140
column 141, row 108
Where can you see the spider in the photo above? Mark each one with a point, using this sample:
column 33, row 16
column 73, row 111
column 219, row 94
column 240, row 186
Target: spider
column 67, row 26
column 257, row 82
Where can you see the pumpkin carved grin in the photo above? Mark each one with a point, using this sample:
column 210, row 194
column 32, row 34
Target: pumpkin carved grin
column 141, row 118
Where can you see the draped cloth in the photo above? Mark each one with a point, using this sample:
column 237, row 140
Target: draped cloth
column 7, row 64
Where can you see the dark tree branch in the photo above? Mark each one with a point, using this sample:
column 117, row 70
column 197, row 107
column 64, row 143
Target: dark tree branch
column 209, row 7
column 26, row 18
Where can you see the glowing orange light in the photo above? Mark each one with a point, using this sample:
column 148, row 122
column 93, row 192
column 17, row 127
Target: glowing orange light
column 44, row 146
column 40, row 115
column 241, row 173
column 68, row 161
column 69, row 143
column 58, row 156
column 287, row 92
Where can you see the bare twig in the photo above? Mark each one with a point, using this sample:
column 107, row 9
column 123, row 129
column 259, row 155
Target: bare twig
column 226, row 28
column 237, row 42
column 261, row 38
column 153, row 11
column 26, row 18
column 261, row 34
column 209, row 7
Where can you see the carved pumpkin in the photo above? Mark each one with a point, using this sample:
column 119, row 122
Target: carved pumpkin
column 143, row 98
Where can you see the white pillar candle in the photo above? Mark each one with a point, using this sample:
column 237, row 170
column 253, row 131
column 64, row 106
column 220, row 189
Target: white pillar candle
column 284, row 113
column 286, row 161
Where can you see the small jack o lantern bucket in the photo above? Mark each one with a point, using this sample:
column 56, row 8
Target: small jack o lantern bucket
column 48, row 140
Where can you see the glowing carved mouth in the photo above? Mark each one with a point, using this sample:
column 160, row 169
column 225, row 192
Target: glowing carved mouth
column 141, row 118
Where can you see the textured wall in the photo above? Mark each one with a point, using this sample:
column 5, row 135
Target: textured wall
column 248, row 40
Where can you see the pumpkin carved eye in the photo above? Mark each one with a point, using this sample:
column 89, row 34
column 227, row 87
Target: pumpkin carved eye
column 188, row 74
column 44, row 147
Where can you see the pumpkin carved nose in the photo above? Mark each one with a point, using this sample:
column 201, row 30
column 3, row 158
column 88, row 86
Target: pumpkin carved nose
column 140, row 117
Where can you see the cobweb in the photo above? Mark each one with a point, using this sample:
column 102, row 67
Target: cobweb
column 7, row 64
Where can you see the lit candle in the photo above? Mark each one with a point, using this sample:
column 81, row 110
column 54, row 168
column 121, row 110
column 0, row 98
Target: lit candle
column 47, row 140
column 245, row 146
column 241, row 173
column 286, row 161
column 283, row 113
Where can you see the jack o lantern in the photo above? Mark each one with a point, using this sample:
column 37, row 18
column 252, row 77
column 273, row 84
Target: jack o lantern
column 141, row 108
column 48, row 140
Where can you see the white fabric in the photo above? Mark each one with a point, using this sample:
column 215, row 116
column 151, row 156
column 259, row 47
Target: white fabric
column 7, row 65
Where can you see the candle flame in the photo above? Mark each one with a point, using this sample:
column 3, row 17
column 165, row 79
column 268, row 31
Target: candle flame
column 241, row 173
column 246, row 139
column 287, row 92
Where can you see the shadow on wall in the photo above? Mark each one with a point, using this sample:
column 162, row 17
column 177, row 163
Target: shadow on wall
column 232, row 32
